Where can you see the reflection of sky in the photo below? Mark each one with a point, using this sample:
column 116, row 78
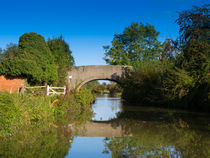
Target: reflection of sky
column 106, row 108
column 93, row 147
column 87, row 147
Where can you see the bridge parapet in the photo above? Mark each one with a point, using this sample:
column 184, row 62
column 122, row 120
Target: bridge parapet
column 80, row 75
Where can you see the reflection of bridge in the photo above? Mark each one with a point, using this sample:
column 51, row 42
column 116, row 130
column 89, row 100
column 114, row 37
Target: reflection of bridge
column 79, row 75
column 96, row 129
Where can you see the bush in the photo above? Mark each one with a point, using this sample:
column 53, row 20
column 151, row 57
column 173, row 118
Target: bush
column 33, row 61
column 143, row 85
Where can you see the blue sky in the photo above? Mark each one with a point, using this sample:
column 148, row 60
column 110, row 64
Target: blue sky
column 87, row 25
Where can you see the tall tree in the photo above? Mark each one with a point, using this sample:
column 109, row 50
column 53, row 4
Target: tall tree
column 33, row 61
column 194, row 40
column 137, row 42
column 63, row 58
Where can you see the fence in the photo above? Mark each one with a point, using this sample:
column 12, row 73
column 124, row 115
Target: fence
column 46, row 90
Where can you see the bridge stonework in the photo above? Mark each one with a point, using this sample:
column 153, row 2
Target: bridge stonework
column 80, row 75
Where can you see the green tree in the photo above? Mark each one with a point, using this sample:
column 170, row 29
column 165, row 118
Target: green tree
column 137, row 42
column 63, row 58
column 194, row 40
column 143, row 85
column 188, row 83
column 114, row 89
column 11, row 51
column 33, row 61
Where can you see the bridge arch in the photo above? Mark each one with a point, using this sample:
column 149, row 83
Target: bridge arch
column 80, row 75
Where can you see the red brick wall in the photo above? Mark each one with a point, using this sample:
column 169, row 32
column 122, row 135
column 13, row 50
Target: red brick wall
column 10, row 85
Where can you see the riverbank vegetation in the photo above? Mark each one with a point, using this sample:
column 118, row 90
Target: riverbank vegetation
column 38, row 120
column 173, row 73
column 20, row 111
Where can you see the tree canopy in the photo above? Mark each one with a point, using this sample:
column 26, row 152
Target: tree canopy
column 62, row 56
column 194, row 40
column 33, row 61
column 137, row 42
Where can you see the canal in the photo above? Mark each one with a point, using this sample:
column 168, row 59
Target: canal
column 132, row 131
column 115, row 130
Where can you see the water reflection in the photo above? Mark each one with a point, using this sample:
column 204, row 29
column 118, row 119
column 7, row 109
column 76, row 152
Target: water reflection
column 131, row 132
column 106, row 108
column 88, row 147
column 142, row 132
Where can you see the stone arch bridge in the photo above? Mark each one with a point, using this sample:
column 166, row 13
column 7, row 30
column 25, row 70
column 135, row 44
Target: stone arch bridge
column 80, row 75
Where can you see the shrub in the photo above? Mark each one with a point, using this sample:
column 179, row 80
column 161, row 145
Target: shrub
column 143, row 85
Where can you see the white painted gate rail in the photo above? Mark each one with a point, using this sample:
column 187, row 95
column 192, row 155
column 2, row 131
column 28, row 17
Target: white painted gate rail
column 52, row 90
column 46, row 90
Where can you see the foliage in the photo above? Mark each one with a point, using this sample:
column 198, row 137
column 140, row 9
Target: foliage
column 10, row 52
column 62, row 56
column 81, row 106
column 169, row 50
column 137, row 42
column 181, row 77
column 96, row 87
column 93, row 86
column 33, row 61
column 143, row 85
column 19, row 111
column 177, row 84
column 1, row 54
column 42, row 142
column 195, row 57
column 194, row 41
column 159, row 140
column 8, row 113
column 114, row 89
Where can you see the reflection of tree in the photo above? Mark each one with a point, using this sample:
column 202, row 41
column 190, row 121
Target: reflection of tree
column 154, row 139
column 36, row 142
column 46, row 140
column 135, row 147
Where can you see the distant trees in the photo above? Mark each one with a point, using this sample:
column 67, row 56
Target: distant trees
column 62, row 56
column 138, row 42
column 169, row 50
column 11, row 51
column 96, row 87
column 114, row 89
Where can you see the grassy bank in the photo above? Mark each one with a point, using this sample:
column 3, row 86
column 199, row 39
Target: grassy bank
column 18, row 112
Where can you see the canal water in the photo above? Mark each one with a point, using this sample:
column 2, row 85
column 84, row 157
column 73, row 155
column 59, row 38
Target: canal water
column 115, row 131
column 132, row 131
